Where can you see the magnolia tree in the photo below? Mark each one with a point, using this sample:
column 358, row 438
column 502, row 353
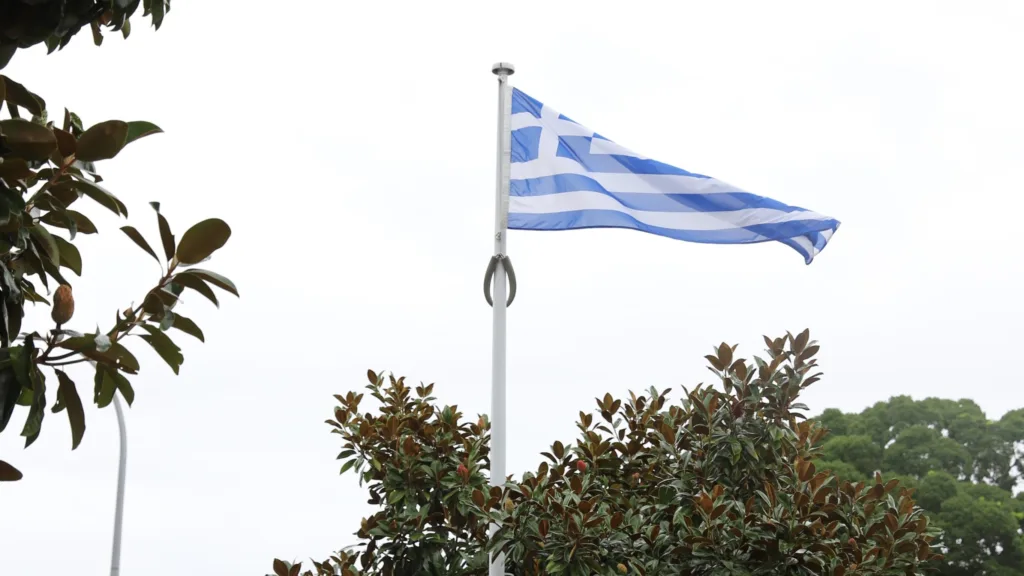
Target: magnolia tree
column 46, row 167
column 723, row 481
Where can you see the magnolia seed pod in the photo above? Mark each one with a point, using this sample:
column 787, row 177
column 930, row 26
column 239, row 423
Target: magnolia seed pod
column 63, row 305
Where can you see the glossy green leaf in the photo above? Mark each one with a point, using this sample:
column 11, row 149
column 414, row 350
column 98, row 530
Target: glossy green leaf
column 9, row 473
column 213, row 278
column 47, row 201
column 14, row 169
column 137, row 237
column 65, row 191
column 101, row 195
column 103, row 351
column 66, row 221
column 54, row 271
column 347, row 466
column 158, row 10
column 124, row 387
column 166, row 237
column 126, row 361
column 19, row 95
column 46, row 243
column 82, row 223
column 102, row 141
column 104, row 386
column 197, row 284
column 68, row 393
column 97, row 34
column 202, row 240
column 10, row 391
column 66, row 143
column 28, row 140
column 70, row 257
column 21, row 363
column 164, row 346
column 187, row 326
column 34, row 422
column 140, row 129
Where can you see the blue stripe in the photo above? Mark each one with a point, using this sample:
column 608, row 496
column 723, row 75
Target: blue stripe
column 719, row 202
column 525, row 144
column 582, row 219
column 578, row 149
column 523, row 103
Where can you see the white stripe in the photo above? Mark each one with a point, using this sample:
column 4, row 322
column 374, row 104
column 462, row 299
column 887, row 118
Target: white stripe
column 586, row 200
column 623, row 181
column 559, row 127
column 805, row 243
column 548, row 145
column 549, row 121
column 600, row 146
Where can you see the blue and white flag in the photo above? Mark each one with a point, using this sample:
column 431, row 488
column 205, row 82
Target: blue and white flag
column 564, row 176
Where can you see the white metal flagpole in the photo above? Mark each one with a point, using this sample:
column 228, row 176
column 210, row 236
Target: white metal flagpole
column 503, row 70
column 115, row 554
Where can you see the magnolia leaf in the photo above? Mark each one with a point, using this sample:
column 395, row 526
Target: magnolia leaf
column 101, row 195
column 124, row 387
column 82, row 223
column 164, row 346
column 165, row 231
column 187, row 326
column 34, row 422
column 13, row 169
column 159, row 8
column 137, row 237
column 102, row 141
column 46, row 243
column 202, row 240
column 18, row 94
column 68, row 393
column 70, row 257
column 66, row 143
column 9, row 473
column 140, row 129
column 197, row 284
column 104, row 386
column 28, row 140
column 213, row 278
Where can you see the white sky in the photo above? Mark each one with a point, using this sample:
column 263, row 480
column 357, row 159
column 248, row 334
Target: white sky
column 351, row 147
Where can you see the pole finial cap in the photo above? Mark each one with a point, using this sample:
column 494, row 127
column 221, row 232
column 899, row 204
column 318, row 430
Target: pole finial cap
column 503, row 68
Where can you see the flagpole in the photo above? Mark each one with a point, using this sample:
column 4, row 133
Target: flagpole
column 115, row 554
column 498, row 455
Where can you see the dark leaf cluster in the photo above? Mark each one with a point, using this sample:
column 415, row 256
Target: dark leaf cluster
column 726, row 481
column 47, row 171
column 26, row 23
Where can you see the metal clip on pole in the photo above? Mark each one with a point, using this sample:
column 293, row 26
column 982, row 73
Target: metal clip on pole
column 506, row 262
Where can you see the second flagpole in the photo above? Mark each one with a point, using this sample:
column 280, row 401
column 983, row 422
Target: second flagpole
column 498, row 427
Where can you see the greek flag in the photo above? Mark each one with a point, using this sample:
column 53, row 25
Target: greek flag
column 564, row 176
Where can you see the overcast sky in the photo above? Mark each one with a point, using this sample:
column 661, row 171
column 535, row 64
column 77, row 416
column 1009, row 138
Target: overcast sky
column 351, row 148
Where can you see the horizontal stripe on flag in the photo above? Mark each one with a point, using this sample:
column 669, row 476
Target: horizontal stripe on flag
column 716, row 202
column 623, row 182
column 586, row 200
column 586, row 219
